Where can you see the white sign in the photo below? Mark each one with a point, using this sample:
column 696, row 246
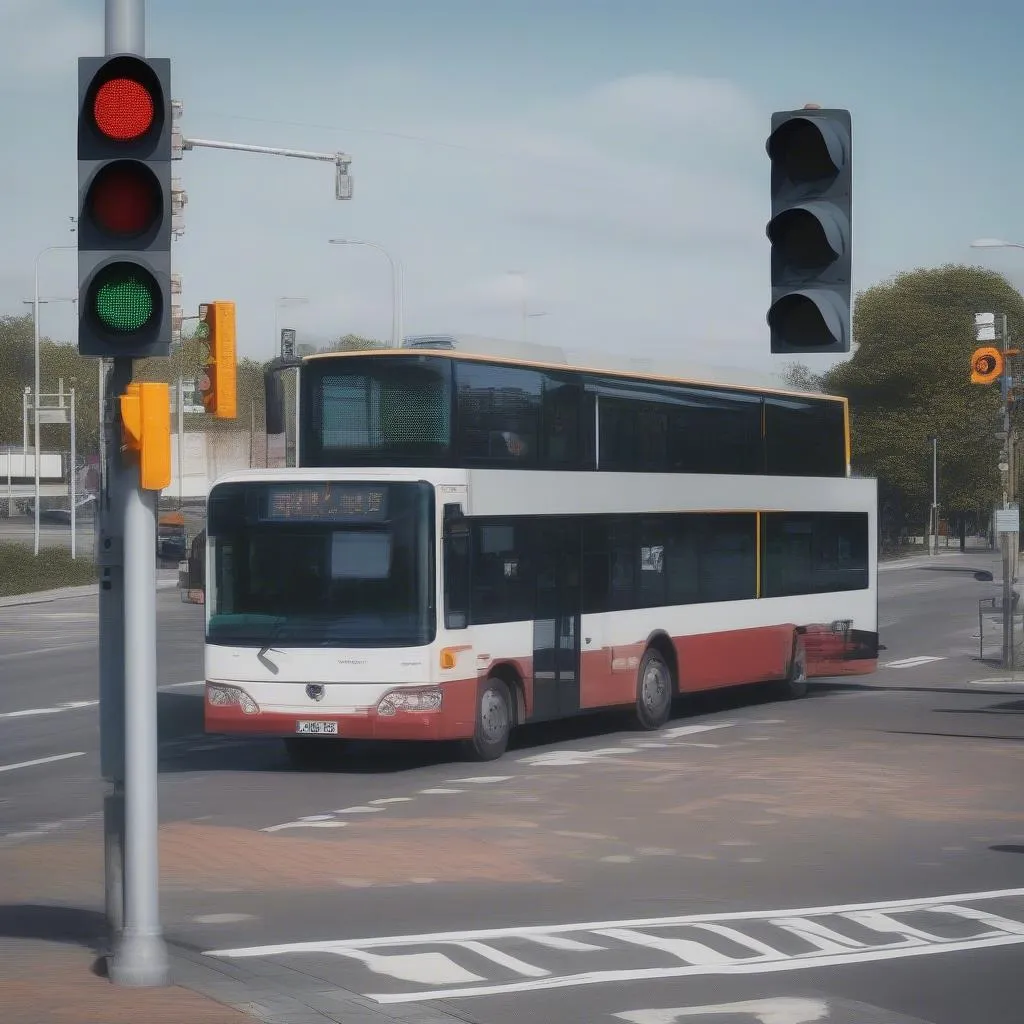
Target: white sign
column 985, row 326
column 1007, row 520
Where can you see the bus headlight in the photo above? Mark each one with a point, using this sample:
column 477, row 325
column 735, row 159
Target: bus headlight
column 229, row 696
column 409, row 700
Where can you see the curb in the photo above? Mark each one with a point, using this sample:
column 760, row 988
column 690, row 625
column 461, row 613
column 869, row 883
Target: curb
column 66, row 593
column 276, row 994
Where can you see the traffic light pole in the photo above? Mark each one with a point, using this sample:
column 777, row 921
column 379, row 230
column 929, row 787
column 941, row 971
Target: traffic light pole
column 1009, row 496
column 128, row 661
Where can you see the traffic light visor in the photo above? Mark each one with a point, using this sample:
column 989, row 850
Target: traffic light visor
column 986, row 365
column 124, row 199
column 124, row 297
column 808, row 149
column 809, row 236
column 810, row 320
column 125, row 101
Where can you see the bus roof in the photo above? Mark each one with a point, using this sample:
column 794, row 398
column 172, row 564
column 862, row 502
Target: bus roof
column 492, row 350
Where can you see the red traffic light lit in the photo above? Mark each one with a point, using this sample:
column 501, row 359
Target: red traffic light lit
column 123, row 109
column 124, row 199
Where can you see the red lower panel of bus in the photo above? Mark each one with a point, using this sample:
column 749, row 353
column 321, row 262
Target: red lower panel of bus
column 707, row 662
column 456, row 719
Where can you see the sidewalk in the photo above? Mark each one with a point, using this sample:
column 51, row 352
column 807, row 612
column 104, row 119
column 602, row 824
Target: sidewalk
column 43, row 982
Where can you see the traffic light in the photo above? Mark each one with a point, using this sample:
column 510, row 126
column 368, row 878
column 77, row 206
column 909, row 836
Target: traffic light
column 987, row 365
column 146, row 427
column 218, row 385
column 124, row 206
column 809, row 230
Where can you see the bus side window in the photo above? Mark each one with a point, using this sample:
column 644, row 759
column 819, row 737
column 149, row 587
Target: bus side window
column 455, row 553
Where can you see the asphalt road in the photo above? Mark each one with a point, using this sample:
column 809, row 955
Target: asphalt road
column 853, row 857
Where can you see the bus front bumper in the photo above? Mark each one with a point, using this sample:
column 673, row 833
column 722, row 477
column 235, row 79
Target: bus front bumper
column 445, row 711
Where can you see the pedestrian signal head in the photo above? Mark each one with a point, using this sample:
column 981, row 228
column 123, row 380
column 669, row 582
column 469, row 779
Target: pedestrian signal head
column 986, row 365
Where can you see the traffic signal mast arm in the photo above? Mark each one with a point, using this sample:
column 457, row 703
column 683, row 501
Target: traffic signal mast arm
column 341, row 161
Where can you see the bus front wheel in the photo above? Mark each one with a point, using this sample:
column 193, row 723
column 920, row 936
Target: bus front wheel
column 493, row 721
column 654, row 691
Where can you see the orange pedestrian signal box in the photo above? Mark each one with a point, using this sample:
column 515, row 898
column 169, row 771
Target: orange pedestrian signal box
column 987, row 365
column 219, row 383
column 146, row 426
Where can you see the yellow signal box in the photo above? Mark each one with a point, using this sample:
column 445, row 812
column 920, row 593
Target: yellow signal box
column 987, row 365
column 219, row 384
column 146, row 428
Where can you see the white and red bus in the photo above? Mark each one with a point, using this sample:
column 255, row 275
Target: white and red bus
column 470, row 544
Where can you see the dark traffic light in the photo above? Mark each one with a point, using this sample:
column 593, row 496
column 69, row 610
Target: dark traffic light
column 124, row 206
column 811, row 178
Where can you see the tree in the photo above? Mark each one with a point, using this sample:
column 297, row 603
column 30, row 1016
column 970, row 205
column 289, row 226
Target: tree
column 352, row 343
column 908, row 380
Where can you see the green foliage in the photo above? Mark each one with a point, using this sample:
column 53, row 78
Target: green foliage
column 909, row 379
column 352, row 343
column 22, row 572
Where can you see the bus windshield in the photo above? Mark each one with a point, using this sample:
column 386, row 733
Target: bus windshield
column 325, row 564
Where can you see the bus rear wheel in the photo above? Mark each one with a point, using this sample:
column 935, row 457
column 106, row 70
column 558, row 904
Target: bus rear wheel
column 493, row 721
column 653, row 691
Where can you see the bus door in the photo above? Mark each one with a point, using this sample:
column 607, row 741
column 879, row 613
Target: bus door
column 556, row 628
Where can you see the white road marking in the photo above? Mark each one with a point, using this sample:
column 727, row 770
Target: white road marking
column 305, row 824
column 223, row 918
column 359, row 809
column 440, row 791
column 887, row 930
column 40, row 760
column 780, row 1010
column 76, row 705
column 922, row 659
column 392, row 800
column 485, row 779
column 692, row 730
column 996, row 681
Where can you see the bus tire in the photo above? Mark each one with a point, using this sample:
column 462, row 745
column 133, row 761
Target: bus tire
column 308, row 754
column 654, row 691
column 493, row 721
column 794, row 686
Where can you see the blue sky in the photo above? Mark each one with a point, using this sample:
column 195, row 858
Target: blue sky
column 612, row 151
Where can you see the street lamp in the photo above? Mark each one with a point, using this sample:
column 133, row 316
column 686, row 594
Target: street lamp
column 35, row 394
column 995, row 243
column 397, row 329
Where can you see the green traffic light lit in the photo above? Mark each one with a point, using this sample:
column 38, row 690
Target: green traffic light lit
column 124, row 298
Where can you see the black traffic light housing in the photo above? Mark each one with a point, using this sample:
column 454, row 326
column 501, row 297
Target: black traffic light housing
column 124, row 206
column 810, row 230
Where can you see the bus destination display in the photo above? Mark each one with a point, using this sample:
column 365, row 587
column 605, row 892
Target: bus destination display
column 325, row 501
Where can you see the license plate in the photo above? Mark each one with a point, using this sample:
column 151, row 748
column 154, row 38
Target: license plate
column 317, row 728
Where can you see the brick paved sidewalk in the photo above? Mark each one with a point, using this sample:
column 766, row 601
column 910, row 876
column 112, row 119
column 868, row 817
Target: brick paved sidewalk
column 48, row 983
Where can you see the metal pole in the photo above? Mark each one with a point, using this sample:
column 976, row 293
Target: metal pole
column 35, row 403
column 399, row 300
column 140, row 954
column 298, row 379
column 935, row 493
column 74, row 473
column 24, row 422
column 125, row 27
column 181, row 442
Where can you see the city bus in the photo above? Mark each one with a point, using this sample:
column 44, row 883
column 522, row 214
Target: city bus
column 471, row 543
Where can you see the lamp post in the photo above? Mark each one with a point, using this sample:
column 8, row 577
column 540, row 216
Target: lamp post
column 35, row 393
column 995, row 243
column 933, row 545
column 397, row 328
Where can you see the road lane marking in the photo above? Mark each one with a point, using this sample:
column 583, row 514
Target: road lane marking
column 40, row 760
column 461, row 964
column 922, row 659
column 778, row 1010
column 46, row 650
column 77, row 705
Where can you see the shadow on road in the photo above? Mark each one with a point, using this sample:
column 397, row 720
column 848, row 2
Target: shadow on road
column 184, row 749
column 1011, row 707
column 954, row 735
column 1008, row 848
column 68, row 925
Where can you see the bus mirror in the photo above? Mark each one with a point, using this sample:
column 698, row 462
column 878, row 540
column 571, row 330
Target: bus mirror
column 273, row 401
